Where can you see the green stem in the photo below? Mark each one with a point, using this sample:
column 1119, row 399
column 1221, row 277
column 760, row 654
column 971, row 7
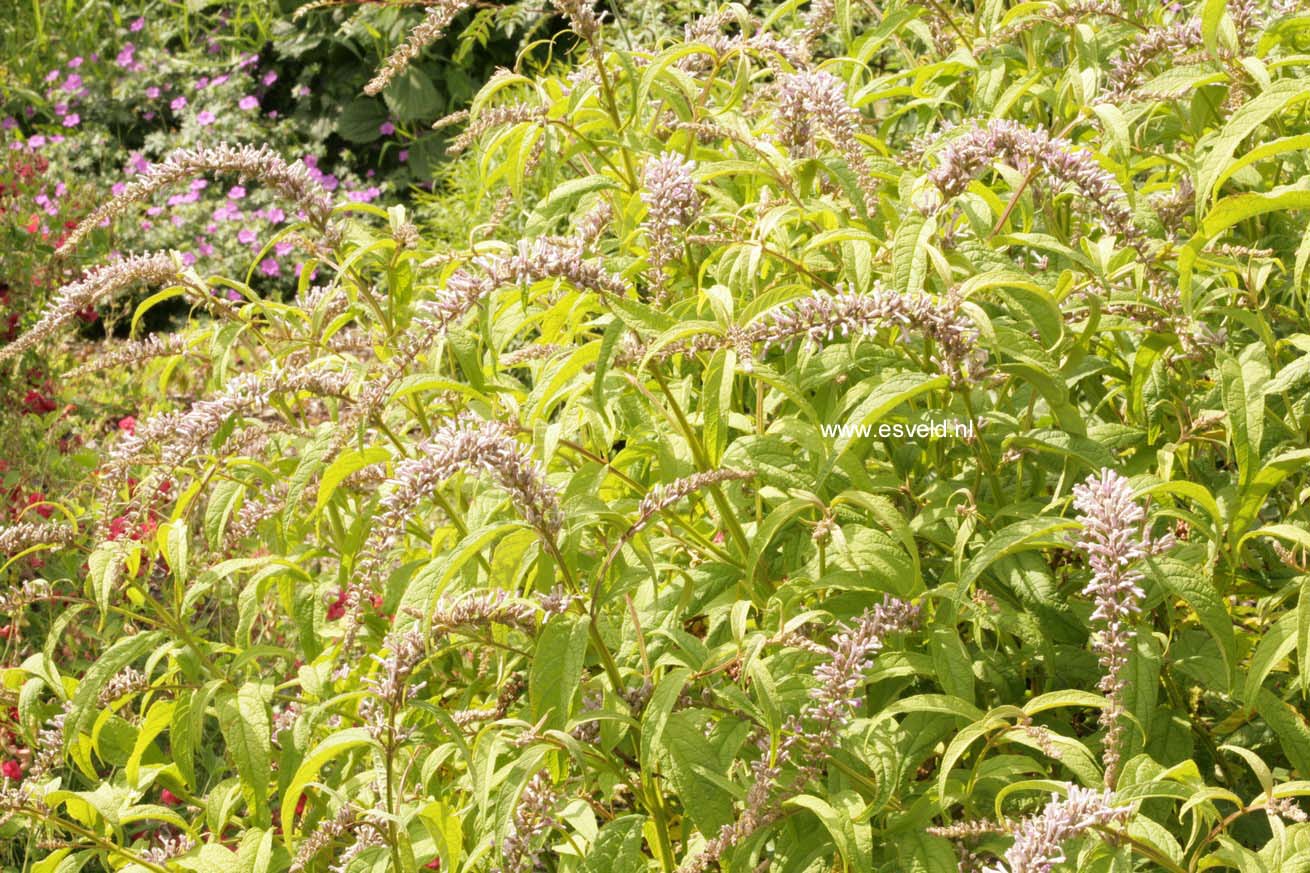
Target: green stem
column 702, row 462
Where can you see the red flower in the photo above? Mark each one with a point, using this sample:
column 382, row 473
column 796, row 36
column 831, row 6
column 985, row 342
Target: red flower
column 6, row 631
column 37, row 403
column 34, row 223
column 300, row 805
column 434, row 864
column 37, row 497
column 117, row 527
column 377, row 601
column 128, row 425
column 168, row 797
column 12, row 770
column 338, row 607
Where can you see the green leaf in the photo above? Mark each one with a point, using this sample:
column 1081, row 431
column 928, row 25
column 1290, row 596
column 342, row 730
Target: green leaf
column 243, row 718
column 718, row 404
column 1195, row 586
column 429, row 582
column 1277, row 643
column 1242, row 123
column 1029, row 533
column 1252, row 497
column 223, row 500
column 349, row 461
column 361, row 120
column 1289, row 726
column 910, row 251
column 556, row 669
column 899, row 387
column 1226, row 213
column 1212, row 15
column 412, row 96
column 1244, row 402
column 1303, row 635
column 318, row 757
column 84, row 707
column 838, row 824
column 695, row 771
column 617, row 848
column 656, row 716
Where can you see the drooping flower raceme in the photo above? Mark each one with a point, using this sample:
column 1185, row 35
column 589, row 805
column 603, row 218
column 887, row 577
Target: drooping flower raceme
column 967, row 155
column 293, row 181
column 1038, row 841
column 809, row 100
column 433, row 26
column 671, row 197
column 1113, row 538
column 813, row 733
column 536, row 259
column 150, row 267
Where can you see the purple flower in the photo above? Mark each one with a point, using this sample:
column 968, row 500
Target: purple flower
column 52, row 75
column 269, row 267
column 386, row 128
column 148, row 116
column 246, row 236
column 36, row 142
column 219, row 80
column 248, row 102
column 117, row 188
column 236, row 192
column 178, row 104
column 275, row 215
column 368, row 195
column 137, row 163
column 202, row 82
column 303, row 91
column 126, row 57
column 188, row 258
column 205, row 249
column 199, row 184
column 75, row 63
column 283, row 248
column 152, row 92
column 72, row 83
column 269, row 78
column 402, row 155
column 205, row 118
column 61, row 109
column 137, row 25
column 72, row 120
column 1115, row 534
column 228, row 212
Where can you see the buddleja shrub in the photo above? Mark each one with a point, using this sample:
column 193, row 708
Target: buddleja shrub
column 616, row 538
